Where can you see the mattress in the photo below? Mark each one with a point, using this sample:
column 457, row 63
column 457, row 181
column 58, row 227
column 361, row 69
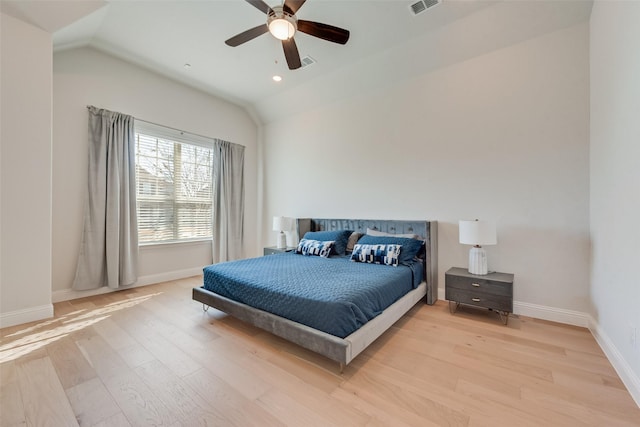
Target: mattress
column 333, row 295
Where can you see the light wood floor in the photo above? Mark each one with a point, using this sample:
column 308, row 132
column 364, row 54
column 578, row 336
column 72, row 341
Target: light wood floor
column 150, row 356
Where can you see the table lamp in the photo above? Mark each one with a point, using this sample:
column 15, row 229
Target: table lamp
column 282, row 224
column 478, row 233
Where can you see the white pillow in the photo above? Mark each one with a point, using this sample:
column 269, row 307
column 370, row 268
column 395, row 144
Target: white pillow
column 372, row 232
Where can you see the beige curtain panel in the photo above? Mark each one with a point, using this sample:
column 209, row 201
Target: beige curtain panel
column 228, row 201
column 109, row 247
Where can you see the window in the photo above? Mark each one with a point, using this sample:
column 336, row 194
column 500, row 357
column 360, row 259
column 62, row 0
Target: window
column 173, row 184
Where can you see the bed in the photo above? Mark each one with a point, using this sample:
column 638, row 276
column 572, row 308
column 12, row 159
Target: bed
column 342, row 341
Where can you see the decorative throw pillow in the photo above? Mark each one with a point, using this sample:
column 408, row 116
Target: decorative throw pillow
column 353, row 239
column 377, row 254
column 315, row 247
column 372, row 232
column 410, row 247
column 340, row 237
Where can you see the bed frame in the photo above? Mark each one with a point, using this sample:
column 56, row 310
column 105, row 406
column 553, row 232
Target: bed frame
column 342, row 350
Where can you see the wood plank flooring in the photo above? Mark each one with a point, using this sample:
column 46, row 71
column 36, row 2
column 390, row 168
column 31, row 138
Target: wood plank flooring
column 151, row 357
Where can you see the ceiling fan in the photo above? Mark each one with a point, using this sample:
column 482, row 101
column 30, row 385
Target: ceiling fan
column 282, row 23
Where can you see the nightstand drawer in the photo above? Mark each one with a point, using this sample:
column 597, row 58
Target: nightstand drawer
column 480, row 299
column 493, row 291
column 479, row 285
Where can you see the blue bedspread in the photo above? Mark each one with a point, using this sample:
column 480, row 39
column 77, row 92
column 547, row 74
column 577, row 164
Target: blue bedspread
column 334, row 295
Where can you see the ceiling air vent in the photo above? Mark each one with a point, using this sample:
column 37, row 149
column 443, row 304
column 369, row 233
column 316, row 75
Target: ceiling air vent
column 422, row 5
column 307, row 60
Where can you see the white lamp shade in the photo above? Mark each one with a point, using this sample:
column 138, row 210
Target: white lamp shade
column 282, row 223
column 478, row 233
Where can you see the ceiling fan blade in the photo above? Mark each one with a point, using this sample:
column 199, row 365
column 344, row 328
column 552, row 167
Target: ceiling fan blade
column 292, row 6
column 291, row 54
column 260, row 5
column 324, row 31
column 245, row 36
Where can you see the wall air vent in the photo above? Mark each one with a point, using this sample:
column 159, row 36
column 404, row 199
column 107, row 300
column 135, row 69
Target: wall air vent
column 422, row 5
column 307, row 60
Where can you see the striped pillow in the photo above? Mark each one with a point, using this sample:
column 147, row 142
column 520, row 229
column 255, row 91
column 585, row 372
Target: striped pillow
column 377, row 254
column 315, row 247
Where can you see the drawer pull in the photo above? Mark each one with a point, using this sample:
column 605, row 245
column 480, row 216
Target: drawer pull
column 477, row 285
column 475, row 299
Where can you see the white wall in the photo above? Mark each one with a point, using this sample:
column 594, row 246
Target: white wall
column 25, row 173
column 88, row 77
column 503, row 136
column 615, row 183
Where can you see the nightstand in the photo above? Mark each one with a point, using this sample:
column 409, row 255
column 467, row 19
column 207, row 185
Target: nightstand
column 493, row 291
column 272, row 250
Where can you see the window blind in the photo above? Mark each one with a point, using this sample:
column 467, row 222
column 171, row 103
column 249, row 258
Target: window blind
column 174, row 185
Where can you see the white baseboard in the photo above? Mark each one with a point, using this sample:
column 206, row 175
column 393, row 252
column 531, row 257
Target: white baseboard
column 170, row 275
column 69, row 294
column 626, row 374
column 26, row 315
column 553, row 314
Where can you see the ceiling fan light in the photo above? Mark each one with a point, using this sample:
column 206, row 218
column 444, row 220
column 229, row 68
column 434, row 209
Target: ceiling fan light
column 281, row 29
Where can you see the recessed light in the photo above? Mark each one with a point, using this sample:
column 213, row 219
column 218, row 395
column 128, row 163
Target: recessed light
column 277, row 78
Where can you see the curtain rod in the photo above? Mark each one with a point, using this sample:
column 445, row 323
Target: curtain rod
column 182, row 132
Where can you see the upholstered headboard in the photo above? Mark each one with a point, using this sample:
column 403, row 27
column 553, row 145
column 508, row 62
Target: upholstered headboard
column 426, row 230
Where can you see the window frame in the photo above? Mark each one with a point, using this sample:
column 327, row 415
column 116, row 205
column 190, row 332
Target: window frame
column 176, row 137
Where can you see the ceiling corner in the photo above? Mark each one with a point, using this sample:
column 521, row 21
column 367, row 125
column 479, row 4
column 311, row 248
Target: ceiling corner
column 50, row 16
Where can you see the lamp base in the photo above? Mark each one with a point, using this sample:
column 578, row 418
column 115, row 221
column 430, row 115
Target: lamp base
column 282, row 240
column 478, row 261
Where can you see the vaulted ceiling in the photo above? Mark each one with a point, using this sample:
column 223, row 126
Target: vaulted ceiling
column 387, row 43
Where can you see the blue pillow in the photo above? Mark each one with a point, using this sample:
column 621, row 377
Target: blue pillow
column 340, row 237
column 376, row 254
column 410, row 247
column 314, row 247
